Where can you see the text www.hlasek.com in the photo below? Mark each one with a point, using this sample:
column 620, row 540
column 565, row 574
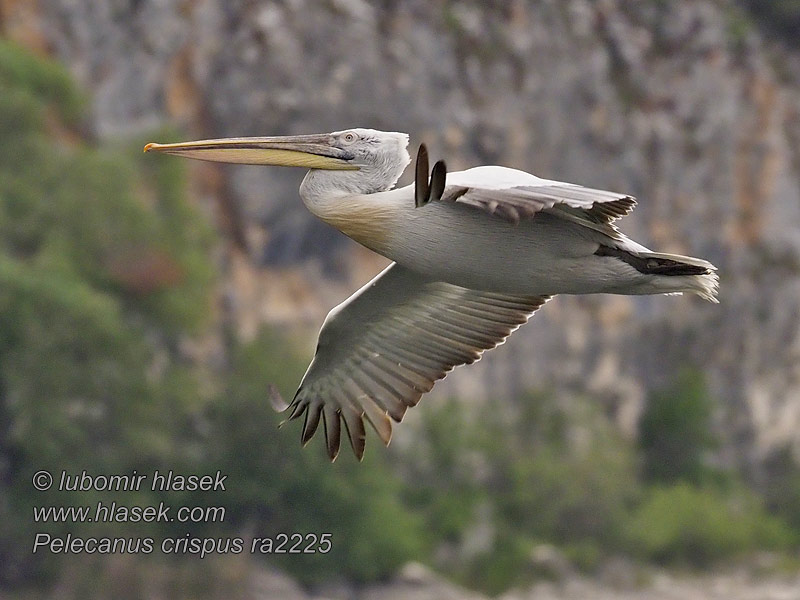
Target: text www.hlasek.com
column 118, row 512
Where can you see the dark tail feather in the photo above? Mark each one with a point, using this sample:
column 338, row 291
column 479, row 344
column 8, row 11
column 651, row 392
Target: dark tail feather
column 654, row 264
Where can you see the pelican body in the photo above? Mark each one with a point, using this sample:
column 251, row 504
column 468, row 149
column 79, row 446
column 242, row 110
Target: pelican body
column 474, row 254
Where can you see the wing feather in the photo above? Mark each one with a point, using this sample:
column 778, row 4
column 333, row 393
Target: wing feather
column 332, row 426
column 520, row 202
column 379, row 421
column 388, row 344
column 354, row 425
column 311, row 421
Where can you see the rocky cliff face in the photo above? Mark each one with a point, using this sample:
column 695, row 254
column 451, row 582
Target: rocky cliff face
column 686, row 105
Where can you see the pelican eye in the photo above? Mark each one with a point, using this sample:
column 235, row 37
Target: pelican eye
column 349, row 137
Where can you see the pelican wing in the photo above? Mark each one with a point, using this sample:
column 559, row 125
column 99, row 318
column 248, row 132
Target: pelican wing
column 387, row 344
column 514, row 195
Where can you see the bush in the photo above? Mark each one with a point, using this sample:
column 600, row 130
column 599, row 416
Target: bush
column 492, row 485
column 781, row 487
column 675, row 435
column 686, row 525
column 78, row 342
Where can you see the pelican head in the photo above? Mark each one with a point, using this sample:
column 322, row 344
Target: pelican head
column 353, row 161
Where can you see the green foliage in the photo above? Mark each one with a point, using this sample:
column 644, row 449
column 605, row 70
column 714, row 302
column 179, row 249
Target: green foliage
column 441, row 467
column 551, row 471
column 41, row 80
column 675, row 431
column 696, row 527
column 739, row 25
column 79, row 336
column 694, row 514
column 555, row 471
column 577, row 478
column 782, row 487
column 82, row 212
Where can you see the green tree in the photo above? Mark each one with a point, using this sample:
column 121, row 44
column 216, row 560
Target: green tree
column 675, row 434
column 691, row 526
column 103, row 267
column 547, row 469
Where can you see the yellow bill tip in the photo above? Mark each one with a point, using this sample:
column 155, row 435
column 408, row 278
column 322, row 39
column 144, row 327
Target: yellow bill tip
column 150, row 146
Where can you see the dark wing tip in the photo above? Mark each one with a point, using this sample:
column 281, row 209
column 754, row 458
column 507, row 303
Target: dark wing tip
column 356, row 432
column 311, row 423
column 331, row 421
column 421, row 189
column 438, row 178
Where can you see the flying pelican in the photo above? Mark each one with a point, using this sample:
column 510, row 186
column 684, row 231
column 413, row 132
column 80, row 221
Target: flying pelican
column 475, row 253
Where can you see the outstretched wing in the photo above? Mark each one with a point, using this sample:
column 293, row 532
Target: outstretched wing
column 387, row 344
column 515, row 195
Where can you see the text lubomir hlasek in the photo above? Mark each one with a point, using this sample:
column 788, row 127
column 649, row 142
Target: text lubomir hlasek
column 168, row 481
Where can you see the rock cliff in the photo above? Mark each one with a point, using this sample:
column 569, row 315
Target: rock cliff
column 687, row 105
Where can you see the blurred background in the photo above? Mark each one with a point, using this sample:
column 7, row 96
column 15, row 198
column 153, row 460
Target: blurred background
column 614, row 443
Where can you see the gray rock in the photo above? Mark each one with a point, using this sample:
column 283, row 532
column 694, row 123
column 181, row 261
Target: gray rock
column 417, row 582
column 660, row 99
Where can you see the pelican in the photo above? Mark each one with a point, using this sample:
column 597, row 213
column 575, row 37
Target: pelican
column 475, row 253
